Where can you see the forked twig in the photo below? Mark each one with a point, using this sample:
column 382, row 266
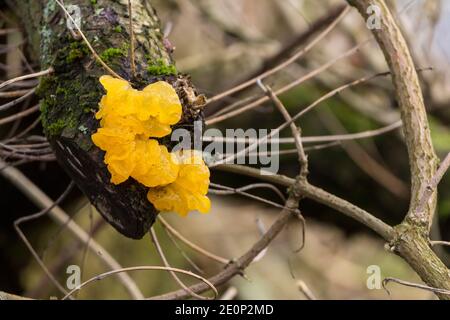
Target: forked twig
column 284, row 64
column 206, row 253
column 413, row 285
column 41, row 200
column 167, row 265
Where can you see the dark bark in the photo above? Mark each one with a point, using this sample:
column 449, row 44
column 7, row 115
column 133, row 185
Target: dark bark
column 70, row 95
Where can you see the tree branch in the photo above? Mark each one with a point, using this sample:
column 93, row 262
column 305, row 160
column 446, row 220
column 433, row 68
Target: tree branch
column 411, row 241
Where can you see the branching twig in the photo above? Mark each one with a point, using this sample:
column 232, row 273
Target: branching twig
column 302, row 158
column 292, row 59
column 413, row 285
column 190, row 244
column 167, row 265
column 285, row 88
column 432, row 185
column 59, row 216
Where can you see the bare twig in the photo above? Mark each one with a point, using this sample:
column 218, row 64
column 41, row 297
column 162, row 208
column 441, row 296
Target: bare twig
column 236, row 267
column 107, row 68
column 440, row 243
column 413, row 285
column 364, row 160
column 432, row 185
column 292, row 59
column 167, row 265
column 297, row 116
column 312, row 192
column 28, row 244
column 229, row 294
column 59, row 216
column 132, row 58
column 19, row 115
column 313, row 139
column 249, row 187
column 9, row 296
column 285, row 88
column 229, row 190
column 27, row 76
column 305, row 290
column 206, row 253
column 302, row 158
column 183, row 253
column 28, row 93
column 13, row 94
column 141, row 268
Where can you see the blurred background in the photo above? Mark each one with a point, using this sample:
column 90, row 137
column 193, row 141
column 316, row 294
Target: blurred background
column 221, row 43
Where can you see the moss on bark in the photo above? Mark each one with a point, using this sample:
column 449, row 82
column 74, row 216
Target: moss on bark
column 71, row 94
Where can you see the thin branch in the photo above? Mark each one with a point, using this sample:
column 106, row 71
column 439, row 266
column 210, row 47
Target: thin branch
column 107, row 68
column 19, row 115
column 167, row 265
column 364, row 160
column 314, row 139
column 413, row 285
column 28, row 244
column 132, row 58
column 431, row 187
column 302, row 158
column 229, row 190
column 206, row 253
column 319, row 195
column 281, row 66
column 236, row 267
column 303, row 288
column 183, row 253
column 141, row 268
column 440, row 243
column 41, row 200
column 27, row 76
column 9, row 296
column 249, row 187
column 28, row 93
column 13, row 94
column 297, row 116
column 285, row 88
column 422, row 157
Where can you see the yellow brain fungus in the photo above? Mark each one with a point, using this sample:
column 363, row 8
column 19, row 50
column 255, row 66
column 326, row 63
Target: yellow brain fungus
column 129, row 119
column 188, row 191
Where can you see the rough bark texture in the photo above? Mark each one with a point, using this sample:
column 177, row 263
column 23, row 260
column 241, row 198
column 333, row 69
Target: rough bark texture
column 412, row 238
column 71, row 94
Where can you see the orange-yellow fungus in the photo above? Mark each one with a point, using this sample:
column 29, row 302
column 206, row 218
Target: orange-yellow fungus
column 188, row 191
column 129, row 119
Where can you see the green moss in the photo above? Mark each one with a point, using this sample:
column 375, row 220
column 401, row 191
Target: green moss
column 109, row 54
column 160, row 67
column 55, row 127
column 93, row 2
column 77, row 51
column 117, row 29
column 61, row 91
